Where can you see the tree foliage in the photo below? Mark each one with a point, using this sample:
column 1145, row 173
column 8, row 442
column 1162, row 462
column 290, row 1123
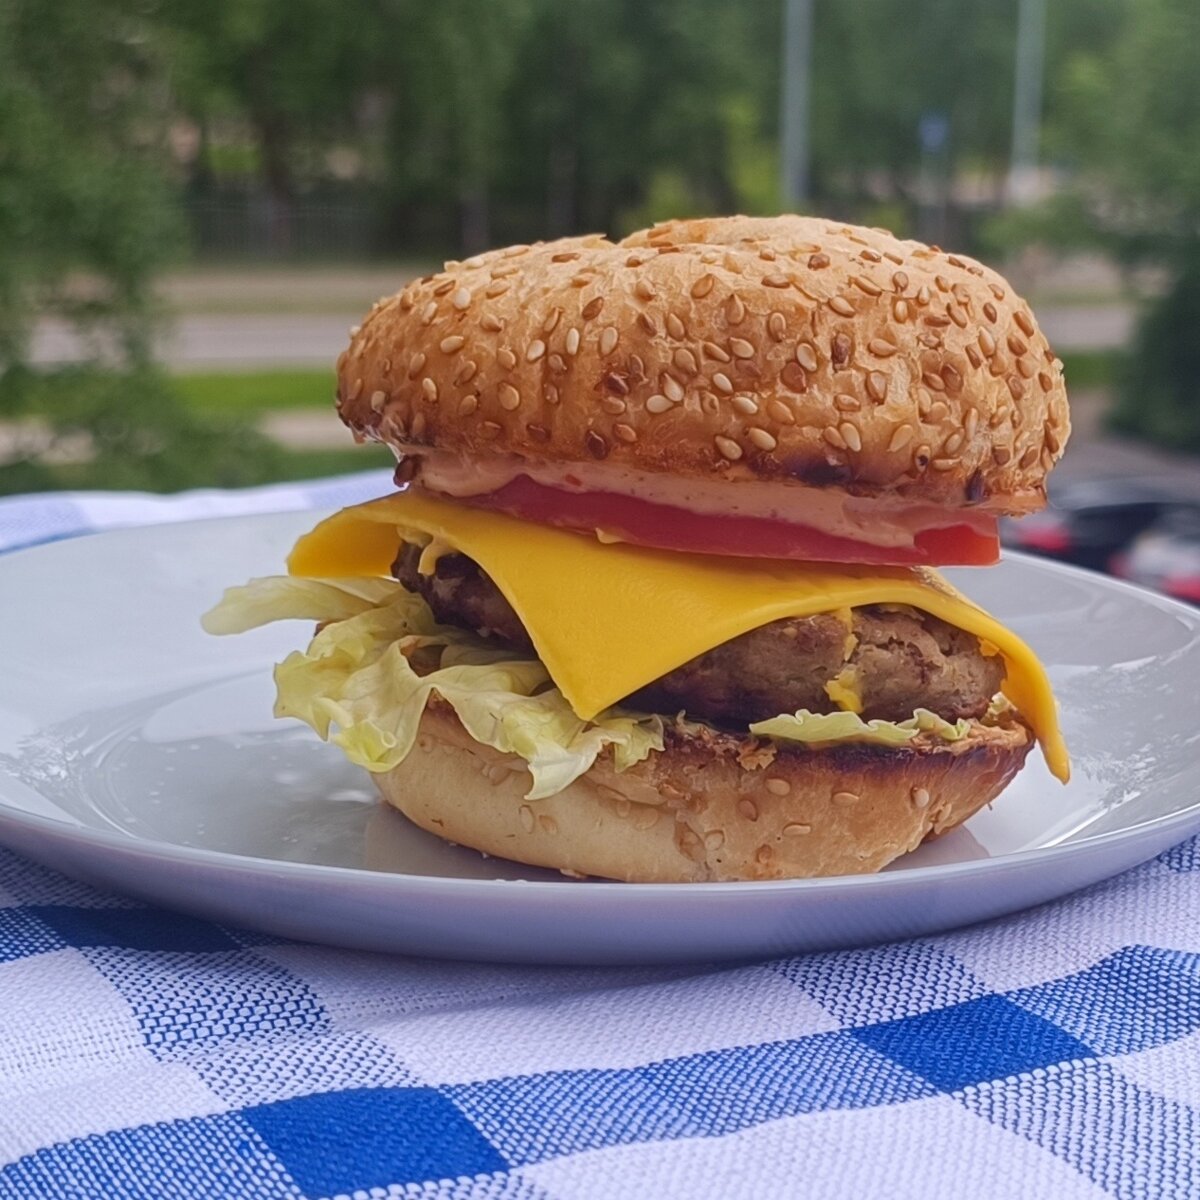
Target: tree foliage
column 86, row 222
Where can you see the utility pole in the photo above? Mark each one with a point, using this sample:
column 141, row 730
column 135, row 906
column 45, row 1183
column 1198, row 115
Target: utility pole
column 793, row 104
column 1027, row 100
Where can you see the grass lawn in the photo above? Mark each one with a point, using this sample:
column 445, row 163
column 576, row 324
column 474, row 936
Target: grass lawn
column 247, row 393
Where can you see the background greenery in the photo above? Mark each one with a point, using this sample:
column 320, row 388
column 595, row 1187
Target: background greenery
column 137, row 133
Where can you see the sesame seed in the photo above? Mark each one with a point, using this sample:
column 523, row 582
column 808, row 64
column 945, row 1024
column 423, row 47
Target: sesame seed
column 489, row 430
column 1028, row 458
column 416, row 364
column 944, row 464
column 568, row 256
column 625, row 432
column 355, row 390
column 491, row 323
column 776, row 280
column 608, row 339
column 714, row 839
column 509, row 397
column 845, row 797
column 728, row 448
column 987, row 343
column 998, row 365
column 745, row 404
column 761, row 438
column 1026, row 368
column 685, row 360
column 429, row 312
column 557, row 364
column 597, row 447
column 806, row 355
column 817, row 262
column 647, row 322
column 658, row 403
column 850, row 436
column 378, row 400
column 939, row 410
column 921, row 457
column 526, row 815
column 1001, row 455
column 723, row 383
column 953, row 444
column 930, row 380
column 449, row 344
column 443, row 288
column 973, row 356
column 548, row 325
column 971, row 424
column 877, row 385
column 767, row 254
column 616, row 382
column 839, row 350
column 1015, row 344
column 503, row 269
column 780, row 412
column 703, row 285
column 407, row 300
column 748, row 808
column 844, row 402
column 881, row 348
column 467, row 405
column 920, row 797
column 496, row 289
column 901, row 436
column 936, row 322
column 1024, row 322
column 612, row 405
column 777, row 326
column 535, row 350
column 735, row 311
column 900, row 311
column 1016, row 385
column 572, row 341
column 550, row 394
column 592, row 308
column 989, row 311
column 952, row 379
column 1052, row 442
column 429, row 388
column 841, row 306
column 539, row 433
column 867, row 285
column 466, row 371
column 712, row 350
column 834, row 437
column 957, row 315
column 778, row 787
column 741, row 348
column 923, row 296
column 672, row 387
column 675, row 327
column 996, row 290
column 506, row 358
column 1045, row 380
column 418, row 425
column 643, row 290
column 793, row 828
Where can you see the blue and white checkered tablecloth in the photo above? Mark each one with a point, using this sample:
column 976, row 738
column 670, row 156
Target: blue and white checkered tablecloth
column 142, row 1054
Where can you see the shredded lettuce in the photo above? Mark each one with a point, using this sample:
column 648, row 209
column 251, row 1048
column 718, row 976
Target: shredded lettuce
column 357, row 687
column 805, row 726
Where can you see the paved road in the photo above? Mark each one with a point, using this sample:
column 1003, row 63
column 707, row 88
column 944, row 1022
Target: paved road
column 231, row 342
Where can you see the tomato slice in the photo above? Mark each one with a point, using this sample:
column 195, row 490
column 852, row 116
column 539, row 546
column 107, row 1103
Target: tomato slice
column 664, row 527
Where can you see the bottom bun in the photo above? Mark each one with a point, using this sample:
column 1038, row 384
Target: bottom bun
column 710, row 806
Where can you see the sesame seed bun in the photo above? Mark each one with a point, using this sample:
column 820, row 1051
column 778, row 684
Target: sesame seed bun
column 787, row 349
column 711, row 806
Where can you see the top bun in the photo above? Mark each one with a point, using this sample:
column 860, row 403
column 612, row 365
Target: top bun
column 785, row 349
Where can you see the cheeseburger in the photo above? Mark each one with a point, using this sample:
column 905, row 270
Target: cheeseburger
column 657, row 597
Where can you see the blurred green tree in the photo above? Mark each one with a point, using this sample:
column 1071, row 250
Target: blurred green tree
column 1131, row 120
column 85, row 222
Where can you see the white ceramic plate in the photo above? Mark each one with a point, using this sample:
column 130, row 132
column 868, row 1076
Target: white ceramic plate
column 140, row 754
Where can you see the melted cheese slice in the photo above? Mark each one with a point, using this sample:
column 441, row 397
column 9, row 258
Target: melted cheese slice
column 608, row 619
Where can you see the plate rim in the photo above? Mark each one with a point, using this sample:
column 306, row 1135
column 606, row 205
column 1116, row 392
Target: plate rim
column 164, row 851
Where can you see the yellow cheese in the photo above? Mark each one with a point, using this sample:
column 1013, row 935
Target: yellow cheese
column 608, row 619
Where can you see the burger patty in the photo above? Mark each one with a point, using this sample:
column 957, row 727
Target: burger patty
column 895, row 659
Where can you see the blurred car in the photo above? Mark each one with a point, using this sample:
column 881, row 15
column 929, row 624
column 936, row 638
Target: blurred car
column 1166, row 557
column 1087, row 522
